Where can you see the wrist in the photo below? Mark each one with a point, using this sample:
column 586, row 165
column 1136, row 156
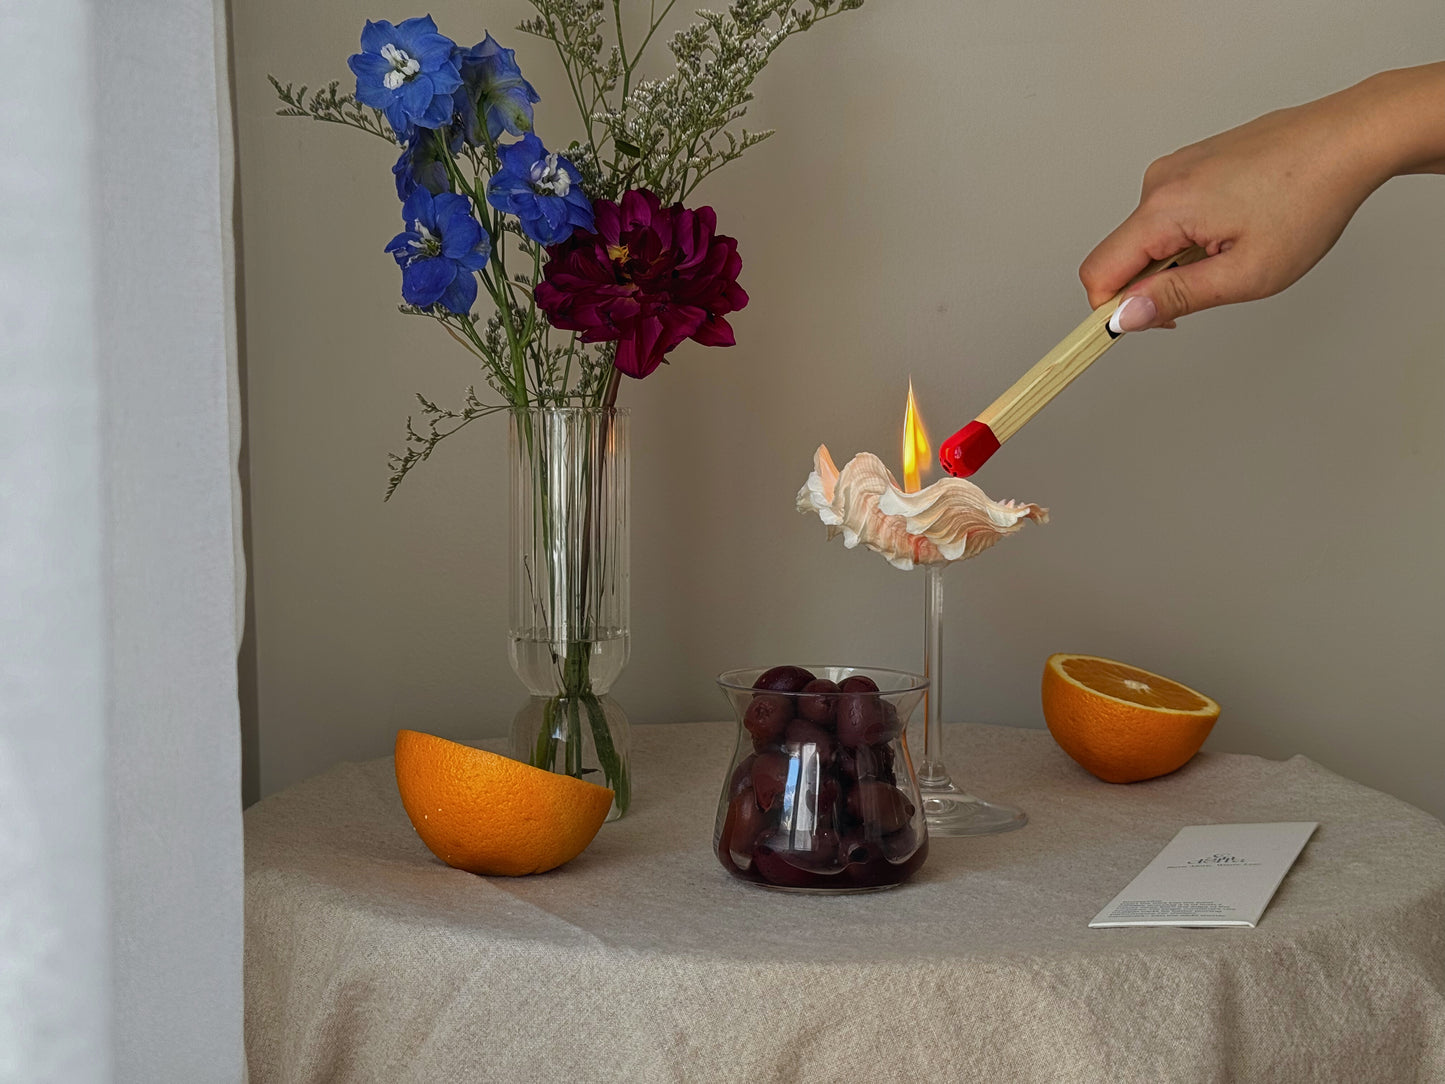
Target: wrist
column 1400, row 118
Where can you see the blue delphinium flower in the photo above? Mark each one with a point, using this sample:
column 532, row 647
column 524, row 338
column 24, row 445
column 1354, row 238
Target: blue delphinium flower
column 542, row 189
column 409, row 72
column 422, row 163
column 493, row 92
column 439, row 252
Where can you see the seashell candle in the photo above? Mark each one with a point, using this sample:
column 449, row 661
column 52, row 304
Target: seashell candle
column 948, row 521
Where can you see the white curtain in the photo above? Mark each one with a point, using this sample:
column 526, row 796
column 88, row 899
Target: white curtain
column 120, row 829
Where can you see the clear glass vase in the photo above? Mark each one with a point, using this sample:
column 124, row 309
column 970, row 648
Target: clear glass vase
column 569, row 634
column 821, row 795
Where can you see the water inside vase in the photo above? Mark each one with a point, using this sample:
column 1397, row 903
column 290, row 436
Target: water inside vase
column 540, row 660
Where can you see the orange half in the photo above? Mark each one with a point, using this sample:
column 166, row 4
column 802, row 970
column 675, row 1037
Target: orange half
column 1120, row 722
column 492, row 815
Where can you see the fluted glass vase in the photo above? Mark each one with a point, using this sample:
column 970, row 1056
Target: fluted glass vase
column 569, row 632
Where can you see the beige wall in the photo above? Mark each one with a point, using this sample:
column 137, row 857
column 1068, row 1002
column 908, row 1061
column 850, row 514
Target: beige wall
column 1254, row 503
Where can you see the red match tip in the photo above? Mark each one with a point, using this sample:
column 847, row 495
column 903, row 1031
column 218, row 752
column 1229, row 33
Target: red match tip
column 968, row 449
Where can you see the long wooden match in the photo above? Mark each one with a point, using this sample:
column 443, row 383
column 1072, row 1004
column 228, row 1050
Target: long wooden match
column 969, row 448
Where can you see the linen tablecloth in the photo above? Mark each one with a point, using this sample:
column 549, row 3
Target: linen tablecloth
column 367, row 959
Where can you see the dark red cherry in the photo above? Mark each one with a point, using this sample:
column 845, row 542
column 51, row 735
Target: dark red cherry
column 859, row 684
column 783, row 679
column 724, row 840
column 823, row 800
column 890, row 717
column 855, row 850
column 745, row 823
column 882, row 757
column 900, row 844
column 818, row 701
column 873, row 762
column 742, row 776
column 802, row 734
column 775, row 868
column 869, row 872
column 767, row 717
column 816, row 852
column 769, row 776
column 860, row 720
column 880, row 807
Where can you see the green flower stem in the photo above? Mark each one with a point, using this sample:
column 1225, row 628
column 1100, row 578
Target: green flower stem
column 622, row 48
column 573, row 80
column 574, row 739
column 529, row 329
column 613, row 772
column 532, row 292
column 499, row 286
column 571, row 352
column 656, row 22
column 517, row 385
column 576, row 697
column 473, row 342
column 546, row 751
column 460, row 181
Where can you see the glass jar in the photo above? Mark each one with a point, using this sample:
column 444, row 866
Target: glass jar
column 821, row 795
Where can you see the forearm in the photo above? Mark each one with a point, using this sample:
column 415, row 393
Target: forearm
column 1402, row 115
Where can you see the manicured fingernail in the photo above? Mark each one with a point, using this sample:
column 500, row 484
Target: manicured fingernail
column 1135, row 314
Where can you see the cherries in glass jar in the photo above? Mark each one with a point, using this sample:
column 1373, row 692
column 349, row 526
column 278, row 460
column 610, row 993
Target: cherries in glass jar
column 821, row 795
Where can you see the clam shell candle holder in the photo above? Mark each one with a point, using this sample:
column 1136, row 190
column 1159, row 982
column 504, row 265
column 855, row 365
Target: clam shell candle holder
column 950, row 520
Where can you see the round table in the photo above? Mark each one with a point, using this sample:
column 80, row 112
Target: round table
column 367, row 959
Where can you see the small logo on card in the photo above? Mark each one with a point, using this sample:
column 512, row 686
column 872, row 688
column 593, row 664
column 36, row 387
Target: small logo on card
column 1224, row 859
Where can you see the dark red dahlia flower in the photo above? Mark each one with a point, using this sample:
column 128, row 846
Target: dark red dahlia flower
column 648, row 278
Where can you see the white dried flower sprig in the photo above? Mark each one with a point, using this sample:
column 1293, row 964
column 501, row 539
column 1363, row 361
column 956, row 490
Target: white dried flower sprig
column 667, row 134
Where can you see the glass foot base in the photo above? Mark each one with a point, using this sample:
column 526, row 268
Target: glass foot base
column 951, row 812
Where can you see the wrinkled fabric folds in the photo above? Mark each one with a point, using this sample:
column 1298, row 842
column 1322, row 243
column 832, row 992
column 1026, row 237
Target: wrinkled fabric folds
column 642, row 960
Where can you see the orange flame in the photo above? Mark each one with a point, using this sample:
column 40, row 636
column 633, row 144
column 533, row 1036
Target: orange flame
column 916, row 452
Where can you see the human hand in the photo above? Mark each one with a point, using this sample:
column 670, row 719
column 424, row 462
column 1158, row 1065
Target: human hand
column 1265, row 200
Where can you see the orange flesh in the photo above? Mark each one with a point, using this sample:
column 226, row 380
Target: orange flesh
column 1131, row 685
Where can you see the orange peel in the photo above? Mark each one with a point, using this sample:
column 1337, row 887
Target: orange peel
column 1122, row 723
column 491, row 815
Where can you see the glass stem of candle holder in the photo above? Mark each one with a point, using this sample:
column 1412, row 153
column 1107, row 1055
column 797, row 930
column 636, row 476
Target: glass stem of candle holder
column 931, row 772
column 947, row 808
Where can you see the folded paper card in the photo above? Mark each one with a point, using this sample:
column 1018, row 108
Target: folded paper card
column 1210, row 875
